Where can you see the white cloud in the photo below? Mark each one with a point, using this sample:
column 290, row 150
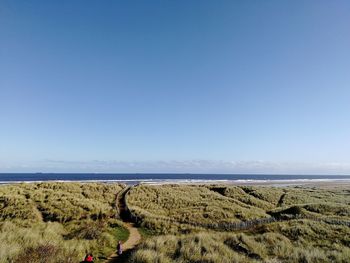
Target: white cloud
column 178, row 166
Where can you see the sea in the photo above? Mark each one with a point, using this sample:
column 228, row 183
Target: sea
column 169, row 178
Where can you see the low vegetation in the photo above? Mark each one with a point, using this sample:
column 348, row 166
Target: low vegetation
column 291, row 224
column 295, row 241
column 171, row 208
column 188, row 208
column 58, row 222
column 61, row 222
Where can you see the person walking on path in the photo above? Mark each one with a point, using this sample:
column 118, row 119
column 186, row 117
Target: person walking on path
column 119, row 248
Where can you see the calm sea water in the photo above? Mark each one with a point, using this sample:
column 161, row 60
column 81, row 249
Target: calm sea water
column 160, row 178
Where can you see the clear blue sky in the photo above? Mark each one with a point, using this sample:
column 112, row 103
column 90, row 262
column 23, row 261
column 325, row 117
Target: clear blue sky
column 183, row 86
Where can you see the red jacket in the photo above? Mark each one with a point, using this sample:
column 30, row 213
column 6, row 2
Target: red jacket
column 89, row 259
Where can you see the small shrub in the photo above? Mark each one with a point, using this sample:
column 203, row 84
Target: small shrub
column 44, row 253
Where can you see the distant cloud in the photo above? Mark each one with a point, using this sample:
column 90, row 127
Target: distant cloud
column 178, row 166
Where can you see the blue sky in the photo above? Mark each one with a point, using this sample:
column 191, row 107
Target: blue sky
column 182, row 86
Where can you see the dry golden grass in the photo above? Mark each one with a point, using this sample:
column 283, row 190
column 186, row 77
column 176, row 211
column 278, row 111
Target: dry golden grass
column 62, row 202
column 184, row 208
column 179, row 209
column 169, row 208
column 295, row 241
column 58, row 222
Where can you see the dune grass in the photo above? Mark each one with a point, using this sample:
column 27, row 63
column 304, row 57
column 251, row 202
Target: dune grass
column 187, row 208
column 171, row 208
column 61, row 202
column 61, row 222
column 58, row 222
column 295, row 241
column 179, row 214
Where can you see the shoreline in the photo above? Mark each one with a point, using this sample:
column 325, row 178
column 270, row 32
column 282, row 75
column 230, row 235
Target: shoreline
column 251, row 182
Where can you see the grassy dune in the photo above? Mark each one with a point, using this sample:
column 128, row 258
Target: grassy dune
column 297, row 241
column 315, row 224
column 169, row 209
column 185, row 208
column 61, row 222
column 58, row 222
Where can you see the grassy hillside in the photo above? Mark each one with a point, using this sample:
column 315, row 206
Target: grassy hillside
column 185, row 208
column 171, row 208
column 311, row 224
column 295, row 241
column 61, row 222
column 58, row 222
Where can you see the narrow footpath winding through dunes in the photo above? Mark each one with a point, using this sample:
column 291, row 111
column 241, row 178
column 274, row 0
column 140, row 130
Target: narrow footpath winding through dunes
column 134, row 234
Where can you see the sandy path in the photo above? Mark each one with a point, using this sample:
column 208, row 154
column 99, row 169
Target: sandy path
column 134, row 237
column 133, row 240
column 134, row 234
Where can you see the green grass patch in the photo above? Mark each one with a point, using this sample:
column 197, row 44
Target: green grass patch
column 146, row 233
column 120, row 233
